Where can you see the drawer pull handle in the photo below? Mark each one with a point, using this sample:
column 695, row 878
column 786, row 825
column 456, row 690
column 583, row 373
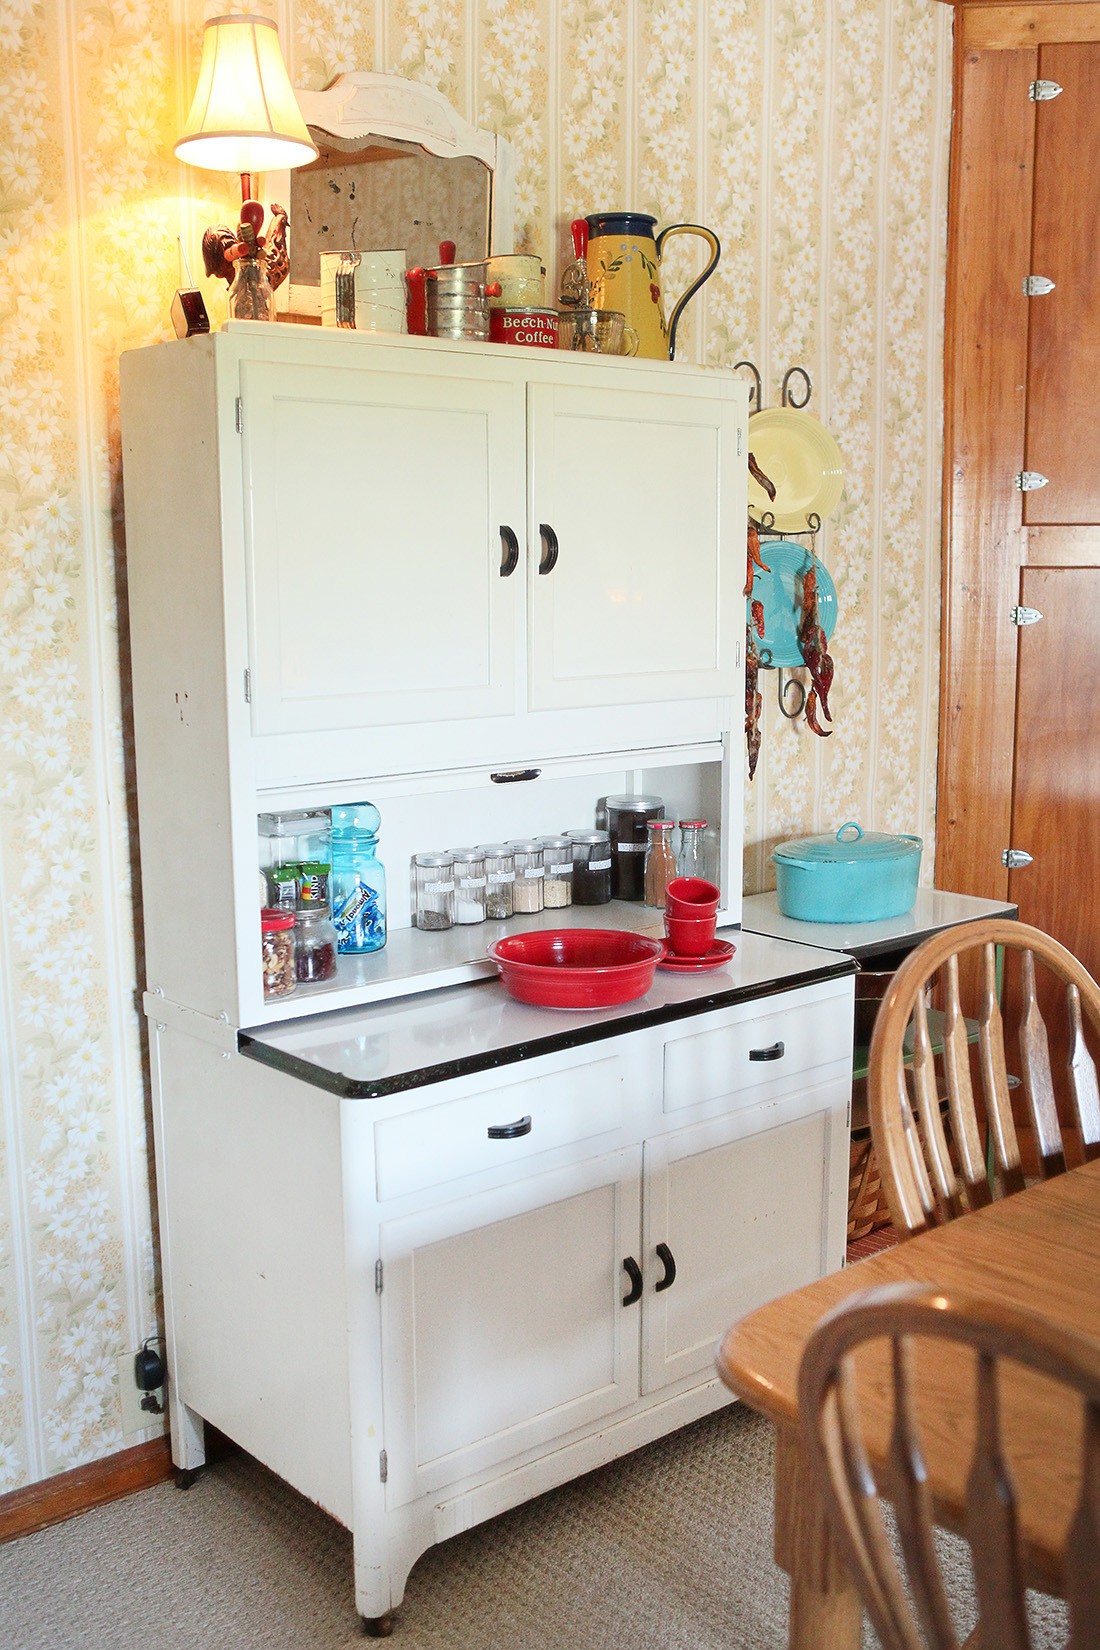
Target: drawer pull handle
column 774, row 1053
column 664, row 1255
column 516, row 777
column 510, row 1131
column 549, row 548
column 634, row 1273
column 510, row 546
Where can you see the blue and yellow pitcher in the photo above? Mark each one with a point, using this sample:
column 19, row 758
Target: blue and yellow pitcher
column 624, row 273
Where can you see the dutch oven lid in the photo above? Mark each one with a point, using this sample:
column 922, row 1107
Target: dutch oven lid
column 851, row 845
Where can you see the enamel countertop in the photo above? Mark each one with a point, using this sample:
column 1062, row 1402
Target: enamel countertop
column 385, row 1048
column 932, row 911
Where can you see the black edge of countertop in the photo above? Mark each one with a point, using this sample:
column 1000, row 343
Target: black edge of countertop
column 466, row 1065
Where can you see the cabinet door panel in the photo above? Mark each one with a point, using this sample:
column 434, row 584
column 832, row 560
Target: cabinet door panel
column 374, row 502
column 502, row 1323
column 748, row 1207
column 1063, row 432
column 641, row 494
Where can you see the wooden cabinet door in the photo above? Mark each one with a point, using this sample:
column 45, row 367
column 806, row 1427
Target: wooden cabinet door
column 636, row 523
column 374, row 504
column 1063, row 426
column 1056, row 807
column 746, row 1209
column 503, row 1326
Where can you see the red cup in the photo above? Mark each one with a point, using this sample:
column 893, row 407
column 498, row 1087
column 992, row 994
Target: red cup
column 689, row 936
column 692, row 897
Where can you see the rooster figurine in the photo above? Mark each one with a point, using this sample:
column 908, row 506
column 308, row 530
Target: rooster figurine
column 222, row 246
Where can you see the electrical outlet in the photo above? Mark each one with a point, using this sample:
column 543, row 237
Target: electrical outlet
column 134, row 1418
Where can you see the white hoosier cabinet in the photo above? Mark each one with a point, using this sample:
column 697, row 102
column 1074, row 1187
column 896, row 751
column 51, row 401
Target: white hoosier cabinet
column 428, row 1251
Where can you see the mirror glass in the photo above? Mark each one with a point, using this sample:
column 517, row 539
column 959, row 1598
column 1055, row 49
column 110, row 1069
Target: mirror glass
column 385, row 194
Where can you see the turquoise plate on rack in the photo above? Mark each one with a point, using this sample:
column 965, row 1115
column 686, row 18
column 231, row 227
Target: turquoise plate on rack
column 780, row 590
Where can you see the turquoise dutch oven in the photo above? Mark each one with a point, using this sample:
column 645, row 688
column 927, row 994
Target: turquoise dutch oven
column 854, row 876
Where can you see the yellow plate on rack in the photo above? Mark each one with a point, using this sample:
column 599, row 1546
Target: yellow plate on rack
column 801, row 460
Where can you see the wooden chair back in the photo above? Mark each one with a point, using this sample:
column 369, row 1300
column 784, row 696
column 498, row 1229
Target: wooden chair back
column 932, row 1172
column 853, row 1488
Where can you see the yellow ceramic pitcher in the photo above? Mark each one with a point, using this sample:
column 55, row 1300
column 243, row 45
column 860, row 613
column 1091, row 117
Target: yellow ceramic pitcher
column 624, row 273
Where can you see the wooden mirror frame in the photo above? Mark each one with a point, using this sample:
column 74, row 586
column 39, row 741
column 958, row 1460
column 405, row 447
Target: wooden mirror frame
column 363, row 105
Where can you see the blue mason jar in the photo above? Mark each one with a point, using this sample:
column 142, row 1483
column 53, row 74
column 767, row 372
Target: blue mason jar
column 358, row 885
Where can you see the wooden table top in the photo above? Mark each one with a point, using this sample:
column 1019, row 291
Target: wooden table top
column 1040, row 1250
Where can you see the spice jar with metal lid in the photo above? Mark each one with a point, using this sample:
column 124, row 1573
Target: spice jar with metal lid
column 557, row 871
column 277, row 952
column 627, row 818
column 660, row 861
column 433, row 876
column 500, row 877
column 591, row 867
column 527, row 888
column 469, row 876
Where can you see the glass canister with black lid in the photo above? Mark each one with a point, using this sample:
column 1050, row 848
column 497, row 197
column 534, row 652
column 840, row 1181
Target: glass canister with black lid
column 627, row 819
column 591, row 867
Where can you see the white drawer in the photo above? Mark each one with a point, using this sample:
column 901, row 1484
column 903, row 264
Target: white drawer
column 756, row 1047
column 446, row 1141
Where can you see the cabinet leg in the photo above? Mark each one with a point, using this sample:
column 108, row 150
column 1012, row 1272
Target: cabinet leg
column 188, row 1436
column 379, row 1627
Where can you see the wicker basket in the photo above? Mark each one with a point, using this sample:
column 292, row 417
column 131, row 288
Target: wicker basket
column 867, row 1206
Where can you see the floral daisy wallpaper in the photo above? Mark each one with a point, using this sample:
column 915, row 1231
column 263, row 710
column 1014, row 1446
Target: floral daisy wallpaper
column 810, row 135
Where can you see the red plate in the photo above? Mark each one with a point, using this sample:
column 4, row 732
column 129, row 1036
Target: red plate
column 720, row 952
column 577, row 967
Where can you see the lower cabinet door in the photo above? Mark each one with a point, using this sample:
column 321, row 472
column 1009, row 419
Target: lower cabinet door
column 738, row 1210
column 503, row 1326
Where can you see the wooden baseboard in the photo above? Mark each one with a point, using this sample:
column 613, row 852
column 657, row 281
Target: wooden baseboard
column 69, row 1493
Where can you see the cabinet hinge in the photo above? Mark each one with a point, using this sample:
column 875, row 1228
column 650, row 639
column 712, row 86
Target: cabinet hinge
column 248, row 687
column 1025, row 615
column 383, row 1465
column 1041, row 91
column 1013, row 858
column 378, row 1277
column 1028, row 480
column 739, row 443
column 1037, row 286
column 240, row 417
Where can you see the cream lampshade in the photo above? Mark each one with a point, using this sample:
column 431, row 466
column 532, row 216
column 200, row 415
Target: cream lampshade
column 244, row 117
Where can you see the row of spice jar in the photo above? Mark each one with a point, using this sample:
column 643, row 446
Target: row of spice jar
column 504, row 879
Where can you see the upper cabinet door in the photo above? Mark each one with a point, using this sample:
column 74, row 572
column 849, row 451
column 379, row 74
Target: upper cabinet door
column 1063, row 431
column 378, row 508
column 637, row 546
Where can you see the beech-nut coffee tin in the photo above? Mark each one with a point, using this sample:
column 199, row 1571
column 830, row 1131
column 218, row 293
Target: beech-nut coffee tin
column 537, row 328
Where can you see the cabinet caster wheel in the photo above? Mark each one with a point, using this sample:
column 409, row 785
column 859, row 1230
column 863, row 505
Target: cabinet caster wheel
column 185, row 1477
column 379, row 1627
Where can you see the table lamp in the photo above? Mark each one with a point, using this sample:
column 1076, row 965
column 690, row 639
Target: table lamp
column 244, row 118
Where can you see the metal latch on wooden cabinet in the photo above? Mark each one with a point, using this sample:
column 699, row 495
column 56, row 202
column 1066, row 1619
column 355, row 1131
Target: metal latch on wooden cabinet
column 1022, row 616
column 1037, row 286
column 1028, row 480
column 1013, row 859
column 1041, row 91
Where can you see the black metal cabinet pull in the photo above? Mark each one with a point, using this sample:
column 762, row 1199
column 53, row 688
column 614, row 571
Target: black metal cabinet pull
column 634, row 1273
column 515, row 776
column 550, row 548
column 510, row 1131
column 509, row 544
column 664, row 1255
column 776, row 1052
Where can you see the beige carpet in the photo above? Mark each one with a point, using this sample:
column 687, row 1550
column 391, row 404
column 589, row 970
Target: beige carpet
column 669, row 1549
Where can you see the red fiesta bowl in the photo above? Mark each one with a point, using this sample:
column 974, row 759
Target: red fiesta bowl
column 577, row 967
